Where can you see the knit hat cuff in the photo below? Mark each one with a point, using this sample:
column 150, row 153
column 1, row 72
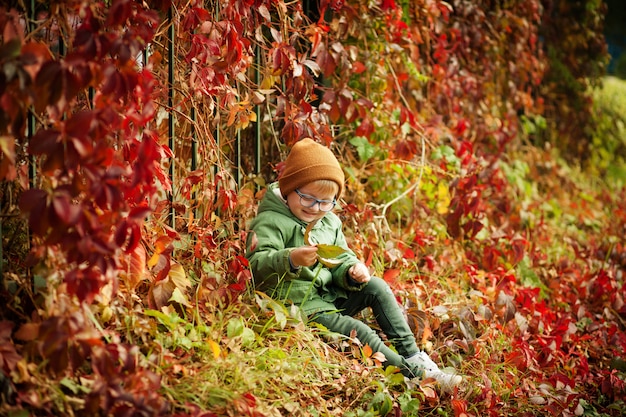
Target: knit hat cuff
column 295, row 179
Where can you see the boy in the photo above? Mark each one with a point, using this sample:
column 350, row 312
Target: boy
column 287, row 268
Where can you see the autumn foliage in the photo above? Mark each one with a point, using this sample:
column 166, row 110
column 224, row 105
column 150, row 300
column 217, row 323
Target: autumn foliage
column 135, row 142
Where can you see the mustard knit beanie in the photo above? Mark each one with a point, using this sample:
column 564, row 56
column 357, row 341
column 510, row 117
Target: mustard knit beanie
column 309, row 161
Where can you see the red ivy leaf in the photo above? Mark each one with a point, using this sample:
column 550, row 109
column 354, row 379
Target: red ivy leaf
column 391, row 276
column 78, row 128
column 195, row 17
column 518, row 247
column 388, row 5
column 45, row 142
column 34, row 202
column 128, row 235
column 139, row 213
column 365, row 128
column 358, row 67
column 84, row 284
column 8, row 355
column 65, row 210
column 119, row 12
column 459, row 407
column 406, row 149
column 6, row 327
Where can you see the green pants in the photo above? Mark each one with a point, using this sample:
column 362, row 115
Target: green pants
column 378, row 296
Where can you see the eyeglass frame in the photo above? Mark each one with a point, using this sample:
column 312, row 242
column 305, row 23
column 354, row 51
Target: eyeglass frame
column 315, row 201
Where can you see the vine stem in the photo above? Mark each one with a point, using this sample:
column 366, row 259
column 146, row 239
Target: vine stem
column 383, row 215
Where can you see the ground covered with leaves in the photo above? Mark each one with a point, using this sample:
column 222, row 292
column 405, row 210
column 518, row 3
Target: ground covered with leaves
column 534, row 322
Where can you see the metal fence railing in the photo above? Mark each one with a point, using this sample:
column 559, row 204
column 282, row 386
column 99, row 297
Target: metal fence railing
column 244, row 152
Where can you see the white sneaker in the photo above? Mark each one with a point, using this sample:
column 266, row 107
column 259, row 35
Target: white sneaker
column 422, row 360
column 447, row 381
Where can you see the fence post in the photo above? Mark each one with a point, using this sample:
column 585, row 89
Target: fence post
column 170, row 105
column 257, row 109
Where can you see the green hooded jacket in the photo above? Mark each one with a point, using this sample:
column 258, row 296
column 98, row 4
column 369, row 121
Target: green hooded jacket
column 274, row 233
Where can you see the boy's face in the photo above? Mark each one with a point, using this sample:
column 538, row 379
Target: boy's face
column 308, row 214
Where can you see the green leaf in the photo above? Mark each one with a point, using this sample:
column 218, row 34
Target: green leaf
column 248, row 337
column 235, row 327
column 329, row 251
column 73, row 386
column 10, row 49
column 179, row 297
column 365, row 149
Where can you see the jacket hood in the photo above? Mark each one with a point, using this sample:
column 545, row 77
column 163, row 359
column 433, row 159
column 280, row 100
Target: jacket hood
column 273, row 201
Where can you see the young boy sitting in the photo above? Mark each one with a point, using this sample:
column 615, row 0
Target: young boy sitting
column 287, row 268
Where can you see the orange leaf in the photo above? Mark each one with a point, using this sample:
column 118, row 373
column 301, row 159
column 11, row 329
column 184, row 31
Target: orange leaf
column 427, row 332
column 367, row 351
column 136, row 266
column 390, row 275
column 459, row 407
column 27, row 332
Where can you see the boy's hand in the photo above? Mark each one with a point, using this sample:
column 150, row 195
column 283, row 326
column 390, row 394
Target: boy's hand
column 359, row 273
column 303, row 256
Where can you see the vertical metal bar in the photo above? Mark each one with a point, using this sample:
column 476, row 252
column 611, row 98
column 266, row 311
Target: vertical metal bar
column 257, row 109
column 194, row 139
column 194, row 154
column 32, row 172
column 32, row 163
column 217, row 147
column 32, row 168
column 1, row 256
column 217, row 135
column 170, row 105
column 238, row 158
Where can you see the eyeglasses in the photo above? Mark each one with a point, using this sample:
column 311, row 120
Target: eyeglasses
column 309, row 201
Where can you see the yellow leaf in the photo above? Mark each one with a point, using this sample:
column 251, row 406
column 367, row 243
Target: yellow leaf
column 329, row 263
column 267, row 83
column 215, row 348
column 179, row 297
column 307, row 233
column 178, row 276
column 153, row 260
column 329, row 251
column 325, row 253
column 443, row 198
column 7, row 146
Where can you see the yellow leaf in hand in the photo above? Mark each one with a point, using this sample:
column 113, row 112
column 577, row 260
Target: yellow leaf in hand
column 329, row 263
column 307, row 233
column 329, row 251
column 326, row 254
